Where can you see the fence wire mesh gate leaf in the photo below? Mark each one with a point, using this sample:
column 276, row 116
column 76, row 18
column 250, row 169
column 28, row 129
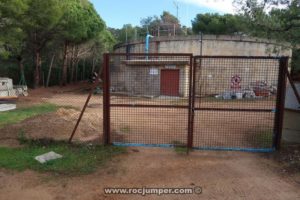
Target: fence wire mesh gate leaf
column 149, row 99
column 202, row 102
column 236, row 102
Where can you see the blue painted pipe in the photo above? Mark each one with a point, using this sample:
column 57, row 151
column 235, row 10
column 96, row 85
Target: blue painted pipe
column 253, row 150
column 148, row 36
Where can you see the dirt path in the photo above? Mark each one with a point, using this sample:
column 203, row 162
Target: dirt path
column 144, row 125
column 222, row 175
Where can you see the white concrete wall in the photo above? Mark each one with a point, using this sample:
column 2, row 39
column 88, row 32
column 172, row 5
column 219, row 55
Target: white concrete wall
column 6, row 84
column 291, row 125
column 291, row 101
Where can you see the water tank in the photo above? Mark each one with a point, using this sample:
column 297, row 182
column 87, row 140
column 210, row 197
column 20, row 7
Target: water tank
column 291, row 122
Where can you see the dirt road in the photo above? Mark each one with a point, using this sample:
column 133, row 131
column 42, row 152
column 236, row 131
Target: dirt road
column 222, row 175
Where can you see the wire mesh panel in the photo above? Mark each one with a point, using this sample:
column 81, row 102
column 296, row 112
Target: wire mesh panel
column 235, row 100
column 230, row 103
column 149, row 98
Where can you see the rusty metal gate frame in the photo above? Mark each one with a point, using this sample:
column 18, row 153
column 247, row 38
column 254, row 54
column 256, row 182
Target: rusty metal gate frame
column 280, row 99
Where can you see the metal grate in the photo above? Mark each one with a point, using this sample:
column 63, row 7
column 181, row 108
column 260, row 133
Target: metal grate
column 149, row 99
column 208, row 102
column 235, row 102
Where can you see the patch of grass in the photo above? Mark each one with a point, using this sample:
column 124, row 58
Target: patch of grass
column 18, row 115
column 21, row 137
column 265, row 138
column 70, row 108
column 179, row 147
column 77, row 159
column 181, row 150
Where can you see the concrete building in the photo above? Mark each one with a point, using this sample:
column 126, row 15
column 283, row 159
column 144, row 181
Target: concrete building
column 152, row 77
column 170, row 76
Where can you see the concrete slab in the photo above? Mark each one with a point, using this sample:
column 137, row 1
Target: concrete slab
column 7, row 107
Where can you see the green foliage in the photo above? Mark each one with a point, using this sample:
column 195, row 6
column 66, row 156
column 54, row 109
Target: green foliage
column 165, row 21
column 32, row 30
column 11, row 35
column 127, row 33
column 41, row 21
column 274, row 19
column 18, row 115
column 167, row 17
column 179, row 147
column 12, row 7
column 90, row 157
column 218, row 24
column 296, row 61
column 80, row 21
column 181, row 150
column 151, row 24
column 264, row 137
column 105, row 41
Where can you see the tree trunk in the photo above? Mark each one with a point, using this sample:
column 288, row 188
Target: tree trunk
column 37, row 69
column 93, row 67
column 72, row 64
column 21, row 65
column 75, row 62
column 83, row 71
column 76, row 71
column 50, row 70
column 65, row 65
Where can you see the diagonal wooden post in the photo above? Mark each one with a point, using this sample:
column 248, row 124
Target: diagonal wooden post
column 84, row 108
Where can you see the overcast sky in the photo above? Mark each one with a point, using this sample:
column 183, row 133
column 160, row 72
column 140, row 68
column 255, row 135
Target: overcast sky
column 116, row 13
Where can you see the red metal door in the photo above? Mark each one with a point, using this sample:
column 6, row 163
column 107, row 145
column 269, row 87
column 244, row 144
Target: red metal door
column 169, row 82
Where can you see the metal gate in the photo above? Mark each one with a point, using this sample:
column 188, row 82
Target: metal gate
column 222, row 103
column 136, row 110
column 238, row 102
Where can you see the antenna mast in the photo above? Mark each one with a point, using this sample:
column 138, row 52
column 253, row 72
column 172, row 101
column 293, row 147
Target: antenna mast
column 176, row 4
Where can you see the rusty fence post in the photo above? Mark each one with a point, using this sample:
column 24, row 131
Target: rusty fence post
column 282, row 79
column 106, row 100
column 191, row 102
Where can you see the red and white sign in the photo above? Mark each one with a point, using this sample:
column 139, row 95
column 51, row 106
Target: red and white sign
column 236, row 82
